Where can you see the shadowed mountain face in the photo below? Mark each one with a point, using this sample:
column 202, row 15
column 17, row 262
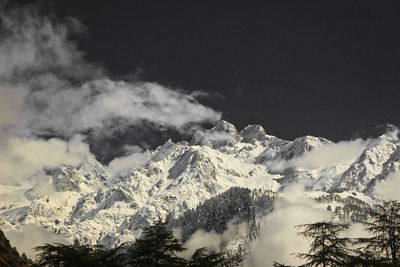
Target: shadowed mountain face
column 190, row 185
column 118, row 135
column 377, row 130
column 9, row 256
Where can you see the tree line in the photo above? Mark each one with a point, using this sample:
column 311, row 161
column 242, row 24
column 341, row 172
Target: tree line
column 158, row 247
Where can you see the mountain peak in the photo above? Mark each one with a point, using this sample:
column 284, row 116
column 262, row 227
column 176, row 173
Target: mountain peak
column 251, row 132
column 177, row 177
column 90, row 160
column 302, row 144
column 224, row 126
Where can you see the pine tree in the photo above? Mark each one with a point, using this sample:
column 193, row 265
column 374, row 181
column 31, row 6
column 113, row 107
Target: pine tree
column 385, row 228
column 277, row 264
column 76, row 256
column 201, row 258
column 327, row 249
column 156, row 247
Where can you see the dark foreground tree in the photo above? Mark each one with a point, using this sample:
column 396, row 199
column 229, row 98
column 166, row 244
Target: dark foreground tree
column 385, row 229
column 203, row 258
column 363, row 258
column 277, row 264
column 156, row 247
column 76, row 256
column 327, row 248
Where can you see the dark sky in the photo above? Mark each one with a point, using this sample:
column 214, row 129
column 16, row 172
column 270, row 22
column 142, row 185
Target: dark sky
column 326, row 68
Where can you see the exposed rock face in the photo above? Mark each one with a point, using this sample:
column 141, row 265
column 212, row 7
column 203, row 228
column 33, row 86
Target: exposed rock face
column 253, row 132
column 223, row 134
column 226, row 127
column 391, row 166
column 88, row 205
column 9, row 256
column 300, row 145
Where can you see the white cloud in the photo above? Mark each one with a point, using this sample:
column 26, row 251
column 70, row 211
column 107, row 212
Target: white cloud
column 48, row 89
column 65, row 95
column 122, row 165
column 333, row 154
column 36, row 43
column 278, row 237
column 21, row 157
column 343, row 152
column 11, row 103
column 212, row 240
column 96, row 102
column 388, row 189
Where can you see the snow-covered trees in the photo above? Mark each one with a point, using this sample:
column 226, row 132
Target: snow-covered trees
column 215, row 213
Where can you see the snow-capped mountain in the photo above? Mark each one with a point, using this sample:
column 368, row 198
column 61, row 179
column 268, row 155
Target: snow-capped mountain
column 369, row 164
column 86, row 203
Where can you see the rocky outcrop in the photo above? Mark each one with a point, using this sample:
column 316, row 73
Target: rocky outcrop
column 85, row 203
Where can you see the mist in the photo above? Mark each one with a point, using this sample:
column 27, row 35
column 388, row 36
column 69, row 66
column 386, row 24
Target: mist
column 388, row 189
column 278, row 235
column 343, row 152
column 37, row 237
column 212, row 240
column 22, row 157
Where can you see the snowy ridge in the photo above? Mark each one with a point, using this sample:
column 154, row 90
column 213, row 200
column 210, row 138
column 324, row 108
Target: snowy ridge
column 369, row 165
column 86, row 204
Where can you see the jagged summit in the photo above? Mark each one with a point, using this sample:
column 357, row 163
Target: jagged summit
column 224, row 133
column 90, row 168
column 253, row 132
column 224, row 126
column 300, row 145
column 369, row 164
column 85, row 203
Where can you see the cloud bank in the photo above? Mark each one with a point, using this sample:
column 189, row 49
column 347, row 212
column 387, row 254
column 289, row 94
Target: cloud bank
column 388, row 189
column 55, row 106
column 21, row 157
column 91, row 106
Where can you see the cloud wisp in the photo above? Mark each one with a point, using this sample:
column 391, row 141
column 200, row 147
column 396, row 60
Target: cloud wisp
column 64, row 95
column 325, row 156
column 214, row 241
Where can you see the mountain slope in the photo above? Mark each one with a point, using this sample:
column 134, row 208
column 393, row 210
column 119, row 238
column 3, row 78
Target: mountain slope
column 87, row 204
